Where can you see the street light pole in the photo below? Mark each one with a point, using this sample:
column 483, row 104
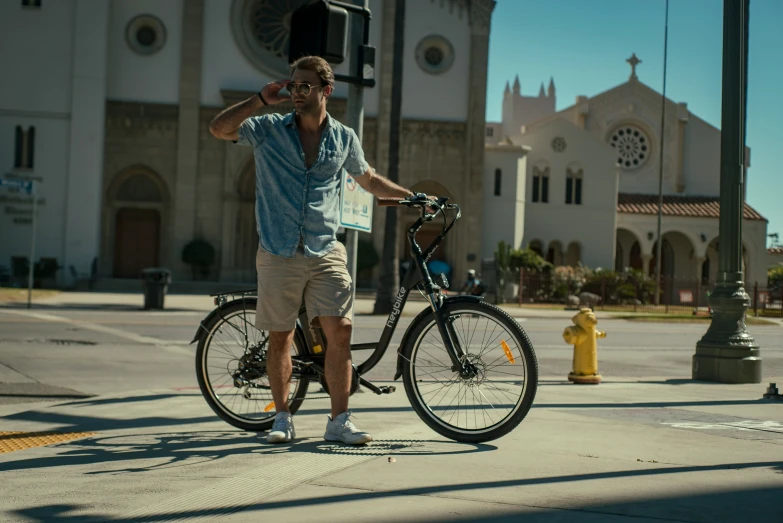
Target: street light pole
column 728, row 353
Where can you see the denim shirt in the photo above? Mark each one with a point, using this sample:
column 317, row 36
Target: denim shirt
column 293, row 202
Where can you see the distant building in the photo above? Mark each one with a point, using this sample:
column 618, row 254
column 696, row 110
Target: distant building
column 581, row 184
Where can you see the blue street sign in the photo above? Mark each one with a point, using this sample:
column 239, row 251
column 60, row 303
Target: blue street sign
column 23, row 185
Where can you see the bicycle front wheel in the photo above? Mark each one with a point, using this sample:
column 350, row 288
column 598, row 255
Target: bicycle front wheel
column 491, row 403
column 231, row 369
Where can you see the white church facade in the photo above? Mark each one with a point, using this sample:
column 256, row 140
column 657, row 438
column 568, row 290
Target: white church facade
column 581, row 184
column 106, row 104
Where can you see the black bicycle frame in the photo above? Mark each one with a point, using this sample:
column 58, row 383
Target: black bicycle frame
column 417, row 276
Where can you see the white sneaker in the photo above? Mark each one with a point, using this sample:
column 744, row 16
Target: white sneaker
column 341, row 429
column 283, row 429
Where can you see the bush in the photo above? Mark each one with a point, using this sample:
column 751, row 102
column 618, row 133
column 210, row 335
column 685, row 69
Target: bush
column 618, row 287
column 199, row 254
column 775, row 276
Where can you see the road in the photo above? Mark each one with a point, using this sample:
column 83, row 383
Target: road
column 113, row 349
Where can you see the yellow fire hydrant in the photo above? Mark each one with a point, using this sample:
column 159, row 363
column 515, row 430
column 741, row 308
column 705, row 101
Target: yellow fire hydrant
column 583, row 336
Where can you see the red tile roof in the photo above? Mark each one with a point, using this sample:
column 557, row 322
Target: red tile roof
column 775, row 250
column 695, row 206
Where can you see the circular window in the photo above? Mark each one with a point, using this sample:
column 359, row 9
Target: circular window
column 558, row 144
column 632, row 144
column 146, row 34
column 262, row 30
column 435, row 54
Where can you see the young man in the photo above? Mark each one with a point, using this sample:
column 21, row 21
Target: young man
column 299, row 160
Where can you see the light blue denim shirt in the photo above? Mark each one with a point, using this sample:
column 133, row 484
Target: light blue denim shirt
column 292, row 201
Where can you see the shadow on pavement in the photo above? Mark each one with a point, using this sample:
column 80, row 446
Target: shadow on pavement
column 161, row 451
column 761, row 504
column 113, row 307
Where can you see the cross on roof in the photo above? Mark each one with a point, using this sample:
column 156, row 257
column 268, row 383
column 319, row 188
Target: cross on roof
column 634, row 61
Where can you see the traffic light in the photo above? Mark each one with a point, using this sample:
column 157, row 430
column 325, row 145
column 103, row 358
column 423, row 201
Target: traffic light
column 319, row 29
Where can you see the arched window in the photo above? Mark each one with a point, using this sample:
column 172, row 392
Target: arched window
column 573, row 186
column 536, row 247
column 540, row 184
column 498, row 177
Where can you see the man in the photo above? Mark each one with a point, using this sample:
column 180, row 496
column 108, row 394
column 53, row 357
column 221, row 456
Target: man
column 473, row 285
column 299, row 160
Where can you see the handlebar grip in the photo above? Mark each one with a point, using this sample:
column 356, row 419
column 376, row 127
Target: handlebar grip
column 387, row 201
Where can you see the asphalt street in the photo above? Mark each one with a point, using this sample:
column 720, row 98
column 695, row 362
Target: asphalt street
column 113, row 349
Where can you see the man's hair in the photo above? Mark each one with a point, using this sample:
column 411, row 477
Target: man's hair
column 316, row 64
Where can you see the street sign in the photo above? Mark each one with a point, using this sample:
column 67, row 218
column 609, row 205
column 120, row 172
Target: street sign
column 23, row 185
column 355, row 205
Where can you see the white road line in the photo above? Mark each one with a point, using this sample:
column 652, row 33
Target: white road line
column 130, row 336
column 262, row 483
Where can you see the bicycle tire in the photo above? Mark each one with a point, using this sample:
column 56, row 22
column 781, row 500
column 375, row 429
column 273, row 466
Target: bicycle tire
column 295, row 401
column 426, row 321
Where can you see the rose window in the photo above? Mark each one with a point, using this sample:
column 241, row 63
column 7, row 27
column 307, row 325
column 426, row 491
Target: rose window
column 262, row 30
column 632, row 144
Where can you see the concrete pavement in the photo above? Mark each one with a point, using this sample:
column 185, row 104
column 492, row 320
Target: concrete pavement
column 629, row 448
column 668, row 450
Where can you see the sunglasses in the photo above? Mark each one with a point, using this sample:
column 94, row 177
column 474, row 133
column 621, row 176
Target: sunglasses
column 302, row 88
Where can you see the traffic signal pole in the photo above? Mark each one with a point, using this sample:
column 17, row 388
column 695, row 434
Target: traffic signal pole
column 354, row 115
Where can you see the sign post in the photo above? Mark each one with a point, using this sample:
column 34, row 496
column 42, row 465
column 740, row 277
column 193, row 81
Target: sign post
column 27, row 186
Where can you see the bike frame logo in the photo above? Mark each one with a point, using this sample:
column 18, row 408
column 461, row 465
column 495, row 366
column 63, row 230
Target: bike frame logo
column 396, row 308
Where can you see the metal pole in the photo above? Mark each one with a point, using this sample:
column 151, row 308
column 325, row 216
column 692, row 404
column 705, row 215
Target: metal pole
column 354, row 118
column 727, row 353
column 660, row 161
column 389, row 280
column 32, row 247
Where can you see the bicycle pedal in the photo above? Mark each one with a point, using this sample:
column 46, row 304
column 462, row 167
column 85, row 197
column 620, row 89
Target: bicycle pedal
column 387, row 390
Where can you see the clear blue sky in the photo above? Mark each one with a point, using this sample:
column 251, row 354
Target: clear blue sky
column 583, row 45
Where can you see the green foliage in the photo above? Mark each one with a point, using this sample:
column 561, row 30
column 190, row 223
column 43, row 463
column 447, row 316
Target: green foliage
column 198, row 253
column 528, row 259
column 775, row 276
column 619, row 287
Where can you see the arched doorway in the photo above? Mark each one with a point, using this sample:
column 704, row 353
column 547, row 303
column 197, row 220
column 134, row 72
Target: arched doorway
column 137, row 203
column 554, row 254
column 536, row 247
column 667, row 260
column 628, row 251
column 246, row 231
column 573, row 254
column 635, row 260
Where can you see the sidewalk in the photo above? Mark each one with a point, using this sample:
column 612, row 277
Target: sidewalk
column 669, row 450
column 190, row 302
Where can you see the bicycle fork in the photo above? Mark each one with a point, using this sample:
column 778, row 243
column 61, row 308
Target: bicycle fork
column 459, row 361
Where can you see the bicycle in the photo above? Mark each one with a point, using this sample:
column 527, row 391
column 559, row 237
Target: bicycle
column 468, row 357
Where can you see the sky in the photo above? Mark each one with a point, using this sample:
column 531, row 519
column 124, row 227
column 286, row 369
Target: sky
column 584, row 45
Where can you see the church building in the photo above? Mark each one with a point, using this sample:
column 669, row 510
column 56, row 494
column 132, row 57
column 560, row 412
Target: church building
column 107, row 103
column 580, row 185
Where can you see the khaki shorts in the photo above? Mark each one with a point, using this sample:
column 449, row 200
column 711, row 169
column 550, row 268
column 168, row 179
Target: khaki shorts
column 282, row 283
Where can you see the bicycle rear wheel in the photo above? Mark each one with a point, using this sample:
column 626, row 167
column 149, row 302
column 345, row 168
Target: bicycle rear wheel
column 486, row 406
column 231, row 369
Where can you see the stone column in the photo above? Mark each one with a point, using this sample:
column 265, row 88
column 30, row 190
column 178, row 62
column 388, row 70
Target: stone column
column 185, row 193
column 83, row 198
column 728, row 353
column 468, row 241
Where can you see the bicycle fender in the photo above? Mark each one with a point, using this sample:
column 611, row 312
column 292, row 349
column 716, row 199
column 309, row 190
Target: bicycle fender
column 202, row 326
column 420, row 317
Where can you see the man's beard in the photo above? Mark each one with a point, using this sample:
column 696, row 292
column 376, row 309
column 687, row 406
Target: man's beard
column 307, row 107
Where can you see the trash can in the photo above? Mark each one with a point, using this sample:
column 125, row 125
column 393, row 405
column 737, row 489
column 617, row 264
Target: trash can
column 155, row 281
